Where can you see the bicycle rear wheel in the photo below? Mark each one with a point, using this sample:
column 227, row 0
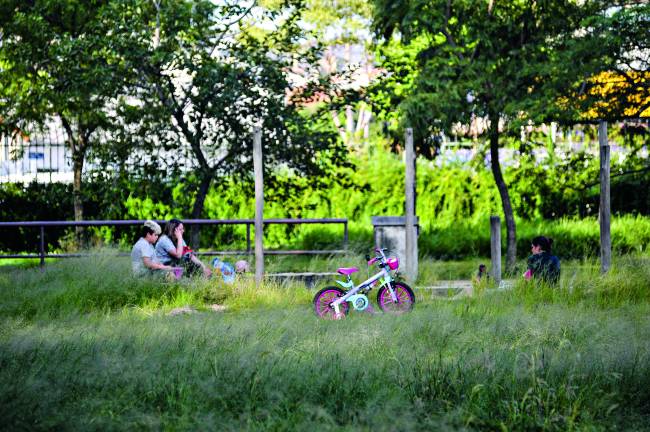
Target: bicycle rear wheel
column 405, row 298
column 323, row 303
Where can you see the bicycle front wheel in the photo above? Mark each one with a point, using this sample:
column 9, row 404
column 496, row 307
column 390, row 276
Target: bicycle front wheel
column 403, row 293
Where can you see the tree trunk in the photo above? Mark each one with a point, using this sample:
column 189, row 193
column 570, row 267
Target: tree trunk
column 78, row 145
column 197, row 210
column 77, row 166
column 511, row 237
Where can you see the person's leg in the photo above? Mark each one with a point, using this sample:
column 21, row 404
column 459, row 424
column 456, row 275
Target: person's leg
column 191, row 267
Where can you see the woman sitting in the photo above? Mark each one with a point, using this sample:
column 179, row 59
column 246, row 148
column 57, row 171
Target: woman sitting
column 172, row 250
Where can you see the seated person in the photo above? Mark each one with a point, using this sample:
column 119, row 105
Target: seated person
column 482, row 273
column 172, row 250
column 143, row 256
column 541, row 264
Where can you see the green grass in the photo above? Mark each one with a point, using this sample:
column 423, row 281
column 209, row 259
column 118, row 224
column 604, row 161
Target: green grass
column 84, row 346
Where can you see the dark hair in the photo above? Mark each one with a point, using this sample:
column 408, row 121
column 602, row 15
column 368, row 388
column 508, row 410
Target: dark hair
column 146, row 230
column 170, row 227
column 543, row 242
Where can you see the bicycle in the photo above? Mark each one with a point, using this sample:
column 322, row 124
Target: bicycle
column 392, row 296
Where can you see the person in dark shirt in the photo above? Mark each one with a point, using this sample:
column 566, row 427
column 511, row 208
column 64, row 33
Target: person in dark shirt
column 541, row 264
column 482, row 273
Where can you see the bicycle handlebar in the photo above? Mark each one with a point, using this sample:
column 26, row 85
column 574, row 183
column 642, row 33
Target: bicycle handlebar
column 381, row 256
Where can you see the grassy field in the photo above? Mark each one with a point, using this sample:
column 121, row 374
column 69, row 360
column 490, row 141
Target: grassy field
column 85, row 347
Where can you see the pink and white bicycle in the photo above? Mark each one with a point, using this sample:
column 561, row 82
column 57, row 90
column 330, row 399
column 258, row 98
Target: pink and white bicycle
column 393, row 297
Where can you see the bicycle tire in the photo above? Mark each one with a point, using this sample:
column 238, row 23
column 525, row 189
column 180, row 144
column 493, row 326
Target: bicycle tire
column 405, row 299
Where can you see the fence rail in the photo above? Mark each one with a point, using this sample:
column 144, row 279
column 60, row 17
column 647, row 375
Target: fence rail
column 189, row 222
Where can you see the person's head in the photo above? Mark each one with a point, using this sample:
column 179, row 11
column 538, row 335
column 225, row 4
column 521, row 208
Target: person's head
column 170, row 228
column 541, row 244
column 150, row 231
column 482, row 268
column 242, row 266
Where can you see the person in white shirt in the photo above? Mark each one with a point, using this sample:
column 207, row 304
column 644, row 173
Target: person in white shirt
column 143, row 256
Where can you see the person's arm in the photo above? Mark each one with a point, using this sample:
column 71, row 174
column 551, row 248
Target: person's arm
column 153, row 265
column 176, row 252
column 530, row 270
column 179, row 242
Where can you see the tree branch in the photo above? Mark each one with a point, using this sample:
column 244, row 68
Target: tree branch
column 68, row 128
column 589, row 185
column 445, row 30
column 216, row 43
column 223, row 33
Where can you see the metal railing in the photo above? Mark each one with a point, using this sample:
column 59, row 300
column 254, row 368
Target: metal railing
column 41, row 225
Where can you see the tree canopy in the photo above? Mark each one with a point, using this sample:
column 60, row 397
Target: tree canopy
column 510, row 62
column 207, row 74
column 605, row 73
column 57, row 61
column 186, row 81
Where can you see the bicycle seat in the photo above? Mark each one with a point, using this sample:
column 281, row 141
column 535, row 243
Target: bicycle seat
column 347, row 270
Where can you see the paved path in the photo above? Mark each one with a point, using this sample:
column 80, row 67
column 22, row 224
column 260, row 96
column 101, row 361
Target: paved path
column 462, row 288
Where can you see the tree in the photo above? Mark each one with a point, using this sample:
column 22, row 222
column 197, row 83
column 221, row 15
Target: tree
column 482, row 58
column 603, row 72
column 206, row 75
column 55, row 62
column 343, row 28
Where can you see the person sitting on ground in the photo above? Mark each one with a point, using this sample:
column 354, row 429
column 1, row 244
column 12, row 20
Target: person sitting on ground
column 171, row 249
column 143, row 256
column 541, row 264
column 482, row 273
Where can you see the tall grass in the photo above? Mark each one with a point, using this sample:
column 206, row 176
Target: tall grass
column 82, row 346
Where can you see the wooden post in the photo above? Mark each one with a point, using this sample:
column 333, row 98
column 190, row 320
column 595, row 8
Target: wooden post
column 495, row 248
column 411, row 266
column 605, row 207
column 259, row 205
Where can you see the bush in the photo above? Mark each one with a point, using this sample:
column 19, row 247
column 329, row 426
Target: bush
column 454, row 204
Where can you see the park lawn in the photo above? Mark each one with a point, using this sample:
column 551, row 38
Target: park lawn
column 82, row 346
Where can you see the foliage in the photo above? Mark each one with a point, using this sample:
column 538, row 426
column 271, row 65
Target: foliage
column 603, row 69
column 613, row 95
column 338, row 22
column 57, row 61
column 399, row 60
column 551, row 194
column 573, row 238
column 509, row 62
column 477, row 60
column 208, row 74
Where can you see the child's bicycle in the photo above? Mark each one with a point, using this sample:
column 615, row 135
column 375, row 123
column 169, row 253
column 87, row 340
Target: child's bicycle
column 392, row 297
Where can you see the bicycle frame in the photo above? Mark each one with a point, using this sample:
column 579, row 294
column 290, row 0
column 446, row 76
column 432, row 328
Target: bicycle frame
column 383, row 273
